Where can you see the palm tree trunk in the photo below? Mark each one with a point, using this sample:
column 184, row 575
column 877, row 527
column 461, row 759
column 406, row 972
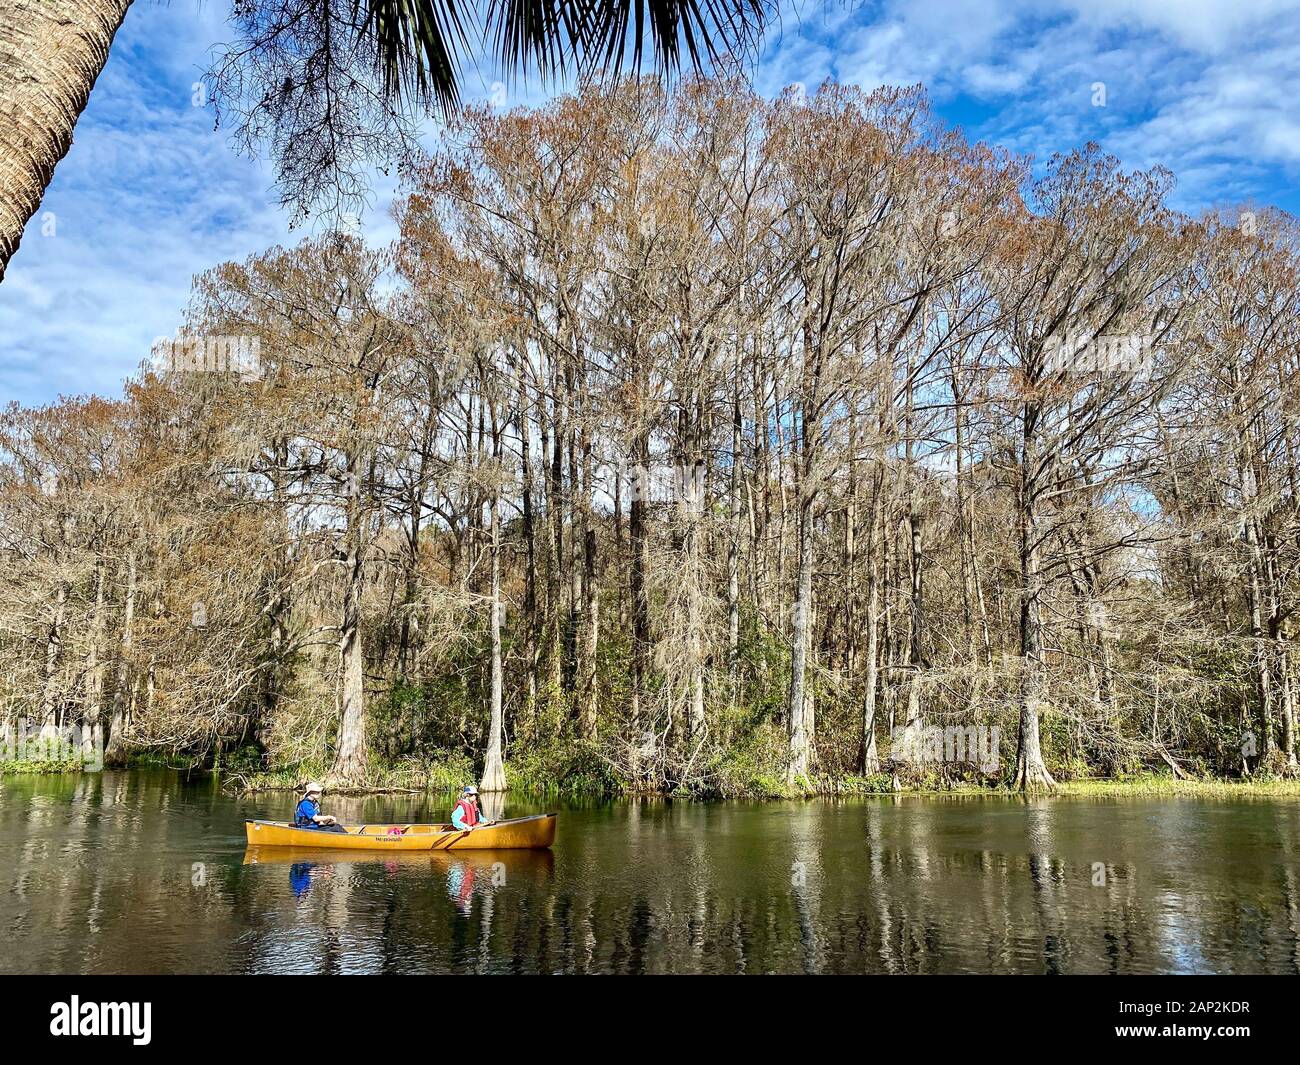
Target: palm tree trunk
column 51, row 52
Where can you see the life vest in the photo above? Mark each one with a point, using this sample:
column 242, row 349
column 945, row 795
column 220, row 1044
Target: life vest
column 303, row 820
column 469, row 812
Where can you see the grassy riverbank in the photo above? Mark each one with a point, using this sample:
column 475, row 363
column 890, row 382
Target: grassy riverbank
column 1154, row 785
column 1157, row 785
column 583, row 775
column 411, row 778
column 40, row 767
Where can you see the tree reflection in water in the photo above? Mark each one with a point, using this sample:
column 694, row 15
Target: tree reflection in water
column 96, row 876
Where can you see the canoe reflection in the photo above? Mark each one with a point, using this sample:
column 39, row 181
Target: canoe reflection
column 465, row 873
column 525, row 861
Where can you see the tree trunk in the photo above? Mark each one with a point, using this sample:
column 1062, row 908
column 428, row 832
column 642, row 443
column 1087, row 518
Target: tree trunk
column 115, row 752
column 415, row 511
column 494, row 771
column 733, row 546
column 1259, row 646
column 590, row 694
column 690, row 504
column 915, row 564
column 590, row 687
column 869, row 761
column 800, row 739
column 574, row 512
column 351, row 753
column 642, row 746
column 93, row 715
column 51, row 53
column 53, row 642
column 555, row 512
column 1288, row 705
column 530, row 547
column 1031, row 771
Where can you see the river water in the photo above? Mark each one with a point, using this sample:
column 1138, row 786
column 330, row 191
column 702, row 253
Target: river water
column 140, row 872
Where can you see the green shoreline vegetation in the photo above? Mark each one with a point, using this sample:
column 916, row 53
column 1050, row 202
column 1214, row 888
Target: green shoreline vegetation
column 447, row 778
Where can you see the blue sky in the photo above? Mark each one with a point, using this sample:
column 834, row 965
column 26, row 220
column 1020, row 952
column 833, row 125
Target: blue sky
column 151, row 194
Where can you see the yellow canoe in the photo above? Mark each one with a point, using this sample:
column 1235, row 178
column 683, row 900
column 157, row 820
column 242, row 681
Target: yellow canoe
column 521, row 832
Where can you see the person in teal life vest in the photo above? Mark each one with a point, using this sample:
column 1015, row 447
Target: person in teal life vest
column 466, row 814
column 308, row 814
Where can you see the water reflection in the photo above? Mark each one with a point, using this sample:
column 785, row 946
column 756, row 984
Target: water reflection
column 300, row 878
column 469, row 876
column 138, row 872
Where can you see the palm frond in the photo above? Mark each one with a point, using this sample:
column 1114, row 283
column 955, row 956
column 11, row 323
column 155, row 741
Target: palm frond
column 613, row 33
column 420, row 43
column 535, row 32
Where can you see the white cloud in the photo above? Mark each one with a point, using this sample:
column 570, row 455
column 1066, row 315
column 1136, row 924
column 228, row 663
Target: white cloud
column 151, row 195
column 1206, row 26
column 1202, row 87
